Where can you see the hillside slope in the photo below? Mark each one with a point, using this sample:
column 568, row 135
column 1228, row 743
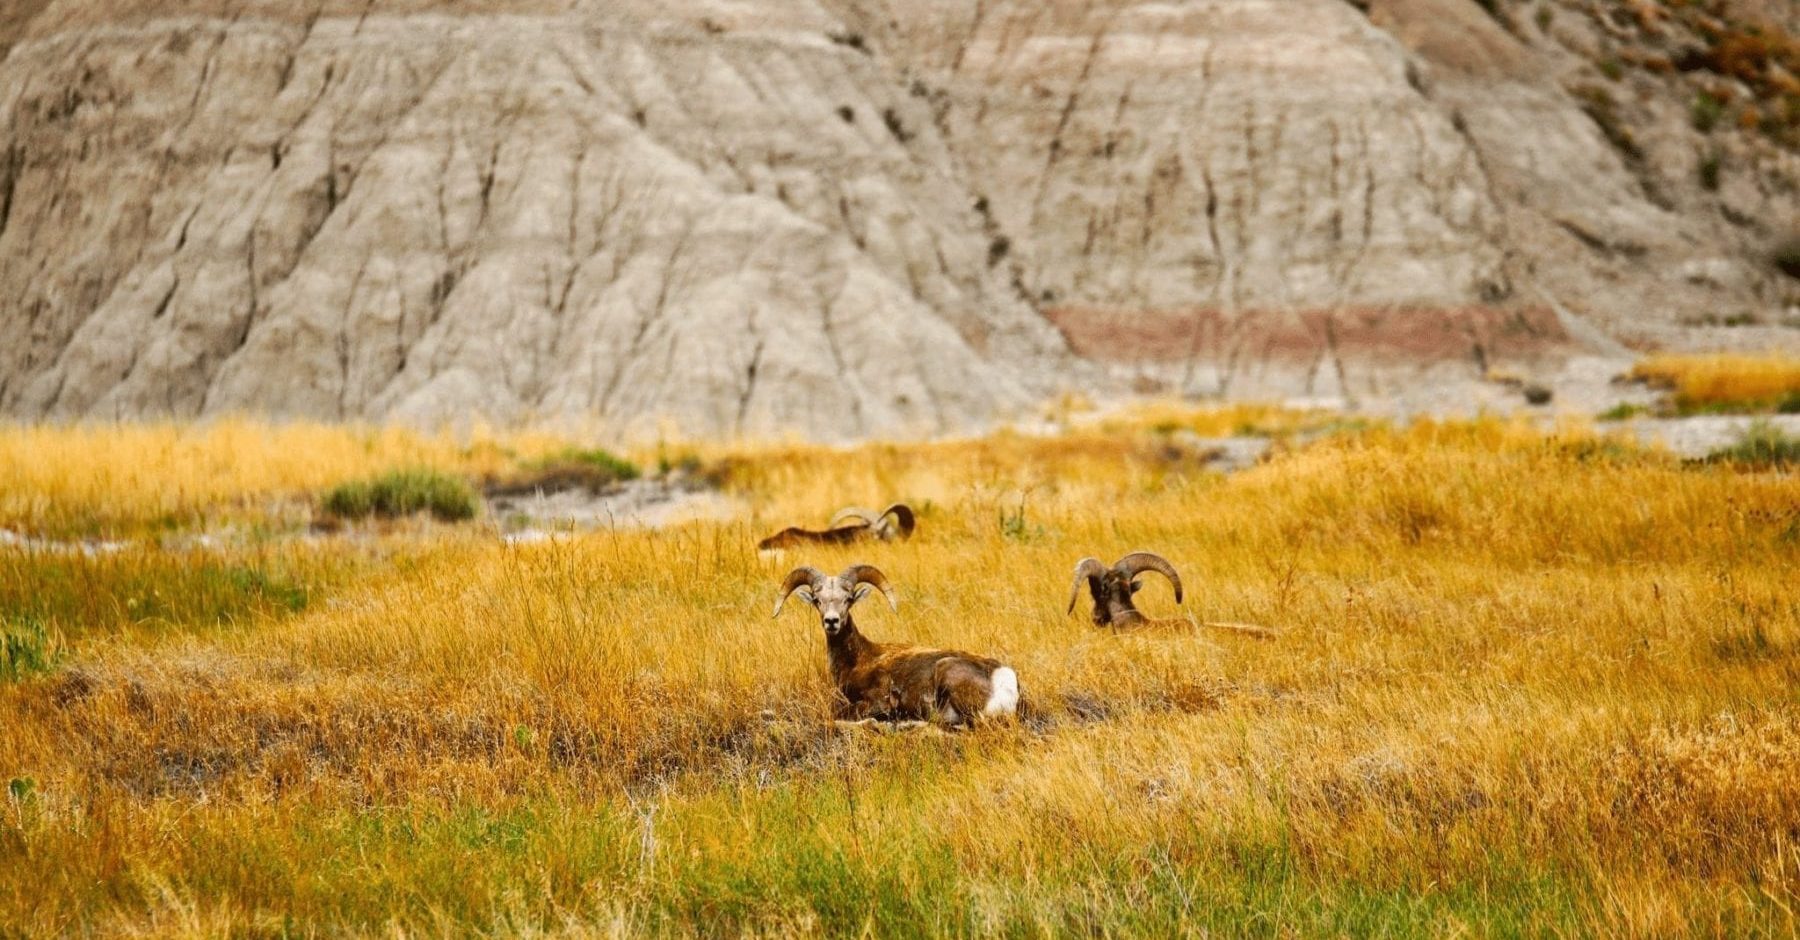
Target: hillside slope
column 840, row 217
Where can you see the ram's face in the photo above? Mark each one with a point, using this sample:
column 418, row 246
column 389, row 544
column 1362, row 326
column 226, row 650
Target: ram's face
column 1118, row 587
column 834, row 598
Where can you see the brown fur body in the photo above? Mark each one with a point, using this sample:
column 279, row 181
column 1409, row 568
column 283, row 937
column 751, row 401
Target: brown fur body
column 1112, row 590
column 897, row 682
column 865, row 526
column 794, row 536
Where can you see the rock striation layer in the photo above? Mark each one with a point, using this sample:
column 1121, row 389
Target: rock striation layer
column 842, row 217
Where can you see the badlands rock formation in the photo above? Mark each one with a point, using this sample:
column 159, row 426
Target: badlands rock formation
column 841, row 217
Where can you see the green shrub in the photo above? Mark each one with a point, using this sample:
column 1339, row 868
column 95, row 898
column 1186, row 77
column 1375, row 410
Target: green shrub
column 25, row 648
column 616, row 469
column 1622, row 411
column 1710, row 166
column 686, row 463
column 351, row 500
column 402, row 493
column 1706, row 112
column 1762, row 446
column 1015, row 527
column 573, row 469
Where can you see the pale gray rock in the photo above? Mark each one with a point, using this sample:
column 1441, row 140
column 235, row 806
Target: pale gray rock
column 835, row 217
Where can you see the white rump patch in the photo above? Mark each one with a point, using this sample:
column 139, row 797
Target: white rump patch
column 1004, row 699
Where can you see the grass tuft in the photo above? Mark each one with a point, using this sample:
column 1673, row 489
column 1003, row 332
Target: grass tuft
column 403, row 493
column 592, row 469
column 1761, row 447
column 1623, row 411
column 26, row 647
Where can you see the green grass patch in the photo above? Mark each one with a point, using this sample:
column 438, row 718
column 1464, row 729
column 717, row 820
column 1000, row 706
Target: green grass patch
column 786, row 861
column 593, row 470
column 595, row 460
column 403, row 493
column 1623, row 411
column 1706, row 112
column 77, row 595
column 26, row 648
column 1763, row 446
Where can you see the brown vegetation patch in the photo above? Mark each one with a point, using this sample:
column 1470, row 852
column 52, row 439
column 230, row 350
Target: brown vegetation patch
column 214, row 725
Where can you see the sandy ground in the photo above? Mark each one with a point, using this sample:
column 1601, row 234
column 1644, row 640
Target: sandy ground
column 1699, row 436
column 637, row 504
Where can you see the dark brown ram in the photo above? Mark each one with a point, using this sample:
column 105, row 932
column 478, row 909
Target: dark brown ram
column 848, row 526
column 1112, row 589
column 896, row 681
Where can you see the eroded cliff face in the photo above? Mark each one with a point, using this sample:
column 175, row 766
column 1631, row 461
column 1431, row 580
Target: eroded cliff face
column 352, row 212
column 843, row 218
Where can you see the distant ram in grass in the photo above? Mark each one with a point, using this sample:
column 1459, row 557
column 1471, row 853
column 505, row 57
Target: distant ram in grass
column 850, row 525
column 1112, row 589
column 897, row 681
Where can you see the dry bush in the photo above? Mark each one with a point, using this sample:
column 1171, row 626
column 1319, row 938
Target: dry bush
column 1722, row 382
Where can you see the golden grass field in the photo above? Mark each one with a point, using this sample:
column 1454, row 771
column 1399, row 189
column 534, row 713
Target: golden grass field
column 1525, row 683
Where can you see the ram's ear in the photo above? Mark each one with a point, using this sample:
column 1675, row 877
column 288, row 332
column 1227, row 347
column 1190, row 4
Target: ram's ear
column 862, row 591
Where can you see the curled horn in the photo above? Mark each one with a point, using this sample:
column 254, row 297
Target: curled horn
column 1137, row 563
column 871, row 575
column 853, row 512
column 803, row 576
column 1084, row 569
column 903, row 518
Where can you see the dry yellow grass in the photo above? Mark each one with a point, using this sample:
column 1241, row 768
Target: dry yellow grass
column 1525, row 683
column 1723, row 381
column 101, row 478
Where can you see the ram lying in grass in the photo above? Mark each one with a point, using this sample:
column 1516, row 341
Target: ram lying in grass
column 1526, row 684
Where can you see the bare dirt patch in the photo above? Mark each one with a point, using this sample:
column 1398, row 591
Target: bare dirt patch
column 528, row 515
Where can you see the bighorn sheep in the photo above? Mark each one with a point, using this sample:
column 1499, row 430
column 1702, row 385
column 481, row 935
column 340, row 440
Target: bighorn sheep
column 897, row 682
column 1112, row 588
column 849, row 525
